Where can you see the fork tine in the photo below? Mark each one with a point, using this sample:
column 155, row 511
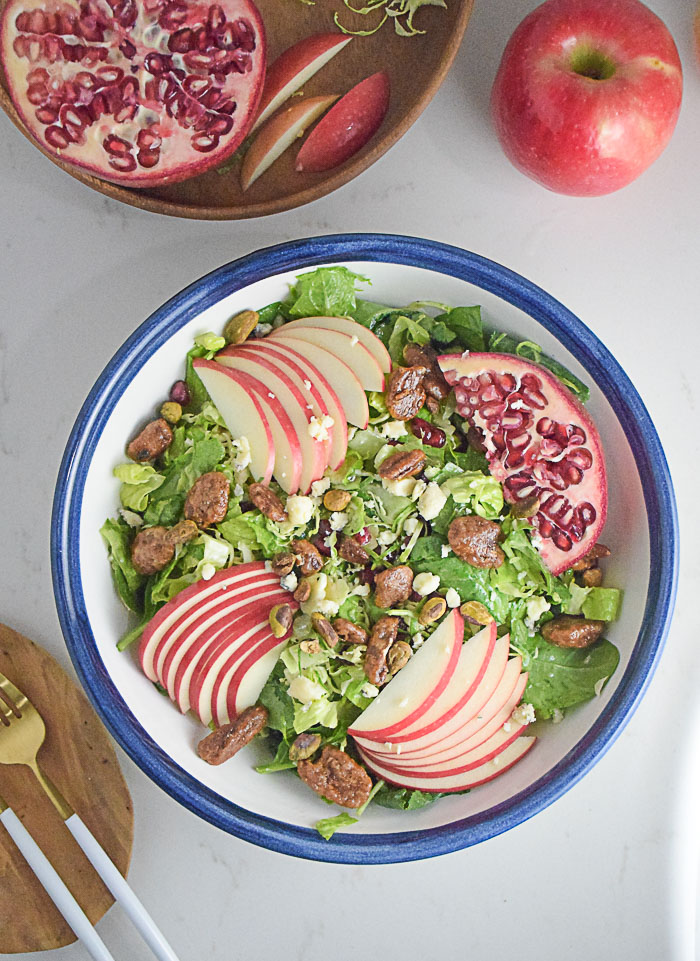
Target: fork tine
column 7, row 710
column 12, row 694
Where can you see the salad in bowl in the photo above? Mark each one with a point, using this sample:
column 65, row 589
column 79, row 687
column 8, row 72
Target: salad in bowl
column 366, row 540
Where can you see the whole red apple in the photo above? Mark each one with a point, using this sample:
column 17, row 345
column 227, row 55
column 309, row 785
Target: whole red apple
column 587, row 94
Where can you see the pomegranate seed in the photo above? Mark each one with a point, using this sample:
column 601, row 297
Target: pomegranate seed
column 204, row 142
column 148, row 140
column 363, row 536
column 56, row 137
column 428, row 433
column 37, row 93
column 128, row 49
column 22, row 22
column 116, row 146
column 46, row 115
column 110, row 74
column 180, row 393
column 124, row 164
column 182, row 41
column 148, row 158
column 221, row 126
column 216, row 18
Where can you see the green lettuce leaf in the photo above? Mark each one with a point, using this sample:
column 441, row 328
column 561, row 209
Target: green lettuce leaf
column 127, row 580
column 602, row 603
column 325, row 292
column 138, row 481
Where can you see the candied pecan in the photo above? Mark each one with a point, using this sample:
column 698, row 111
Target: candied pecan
column 323, row 627
column 151, row 442
column 432, row 404
column 182, row 533
column 393, row 586
column 565, row 630
column 303, row 591
column 283, row 563
column 267, row 502
column 591, row 559
column 475, row 540
column 336, row 499
column 422, row 355
column 350, row 633
column 404, row 463
column 476, row 439
column 151, row 550
column 405, row 394
column 227, row 740
column 398, row 656
column 382, row 637
column 436, row 387
column 303, row 746
column 527, row 507
column 337, row 777
column 592, row 577
column 207, row 501
column 351, row 551
column 308, row 557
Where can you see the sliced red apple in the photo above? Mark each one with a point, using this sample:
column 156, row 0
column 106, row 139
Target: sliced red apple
column 216, row 587
column 414, row 690
column 347, row 325
column 347, row 126
column 294, row 67
column 353, row 352
column 314, row 386
column 283, row 392
column 455, row 782
column 350, row 392
column 279, row 134
column 243, row 414
column 286, row 446
column 241, row 678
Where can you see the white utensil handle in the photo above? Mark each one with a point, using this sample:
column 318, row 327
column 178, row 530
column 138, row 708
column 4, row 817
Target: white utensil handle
column 55, row 888
column 123, row 894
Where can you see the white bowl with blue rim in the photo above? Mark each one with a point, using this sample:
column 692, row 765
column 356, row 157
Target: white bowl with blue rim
column 278, row 811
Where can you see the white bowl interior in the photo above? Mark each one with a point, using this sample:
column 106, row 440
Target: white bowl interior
column 282, row 796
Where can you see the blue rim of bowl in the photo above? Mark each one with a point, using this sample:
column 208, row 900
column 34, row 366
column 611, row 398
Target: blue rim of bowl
column 601, row 367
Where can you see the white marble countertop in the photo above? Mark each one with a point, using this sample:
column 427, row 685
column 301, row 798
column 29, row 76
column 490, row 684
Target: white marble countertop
column 609, row 870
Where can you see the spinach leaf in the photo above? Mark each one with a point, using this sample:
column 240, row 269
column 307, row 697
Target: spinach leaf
column 325, row 292
column 404, row 799
column 198, row 392
column 560, row 677
column 279, row 704
column 464, row 325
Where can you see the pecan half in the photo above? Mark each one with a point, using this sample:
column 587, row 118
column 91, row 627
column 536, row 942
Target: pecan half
column 422, row 355
column 207, row 500
column 267, row 502
column 350, row 633
column 151, row 550
column 155, row 438
column 308, row 557
column 351, row 551
column 591, row 559
column 183, row 532
column 337, row 777
column 593, row 577
column 405, row 394
column 404, row 463
column 475, row 540
column 227, row 740
column 382, row 637
column 565, row 630
column 393, row 586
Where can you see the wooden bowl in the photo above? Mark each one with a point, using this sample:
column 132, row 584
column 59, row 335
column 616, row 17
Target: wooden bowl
column 416, row 66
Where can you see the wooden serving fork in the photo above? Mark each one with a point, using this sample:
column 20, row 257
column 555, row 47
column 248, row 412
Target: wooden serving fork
column 22, row 733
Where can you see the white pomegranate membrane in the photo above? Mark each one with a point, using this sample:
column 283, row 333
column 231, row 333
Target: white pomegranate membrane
column 135, row 92
column 540, row 443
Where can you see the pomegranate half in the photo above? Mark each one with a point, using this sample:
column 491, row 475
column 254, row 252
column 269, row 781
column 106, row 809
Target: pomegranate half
column 139, row 92
column 540, row 443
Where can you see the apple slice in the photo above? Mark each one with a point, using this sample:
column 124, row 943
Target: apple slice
column 353, row 352
column 351, row 395
column 347, row 126
column 286, row 447
column 283, row 392
column 279, row 134
column 314, row 386
column 222, row 581
column 241, row 679
column 455, row 782
column 347, row 325
column 243, row 414
column 414, row 690
column 312, row 398
column 291, row 70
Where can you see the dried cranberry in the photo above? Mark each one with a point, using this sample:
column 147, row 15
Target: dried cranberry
column 415, row 596
column 363, row 536
column 180, row 393
column 320, row 541
column 428, row 433
column 246, row 506
column 366, row 576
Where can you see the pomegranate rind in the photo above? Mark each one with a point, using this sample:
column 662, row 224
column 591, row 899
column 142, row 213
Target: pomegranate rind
column 490, row 386
column 92, row 121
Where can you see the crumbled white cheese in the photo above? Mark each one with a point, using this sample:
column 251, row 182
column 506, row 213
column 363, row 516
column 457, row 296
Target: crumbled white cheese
column 411, row 525
column 523, row 714
column 402, row 488
column 452, row 597
column 327, row 607
column 417, row 640
column 307, row 384
column 425, row 583
column 305, row 690
column 338, row 520
column 507, row 726
column 300, row 510
column 362, row 590
column 394, row 429
column 418, row 489
column 386, row 538
column 289, row 582
column 557, row 716
column 353, row 340
column 208, row 571
column 242, row 458
column 267, row 566
column 445, row 549
column 262, row 330
column 369, row 690
column 238, row 491
column 319, row 487
column 318, row 428
column 431, row 501
column 431, row 471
